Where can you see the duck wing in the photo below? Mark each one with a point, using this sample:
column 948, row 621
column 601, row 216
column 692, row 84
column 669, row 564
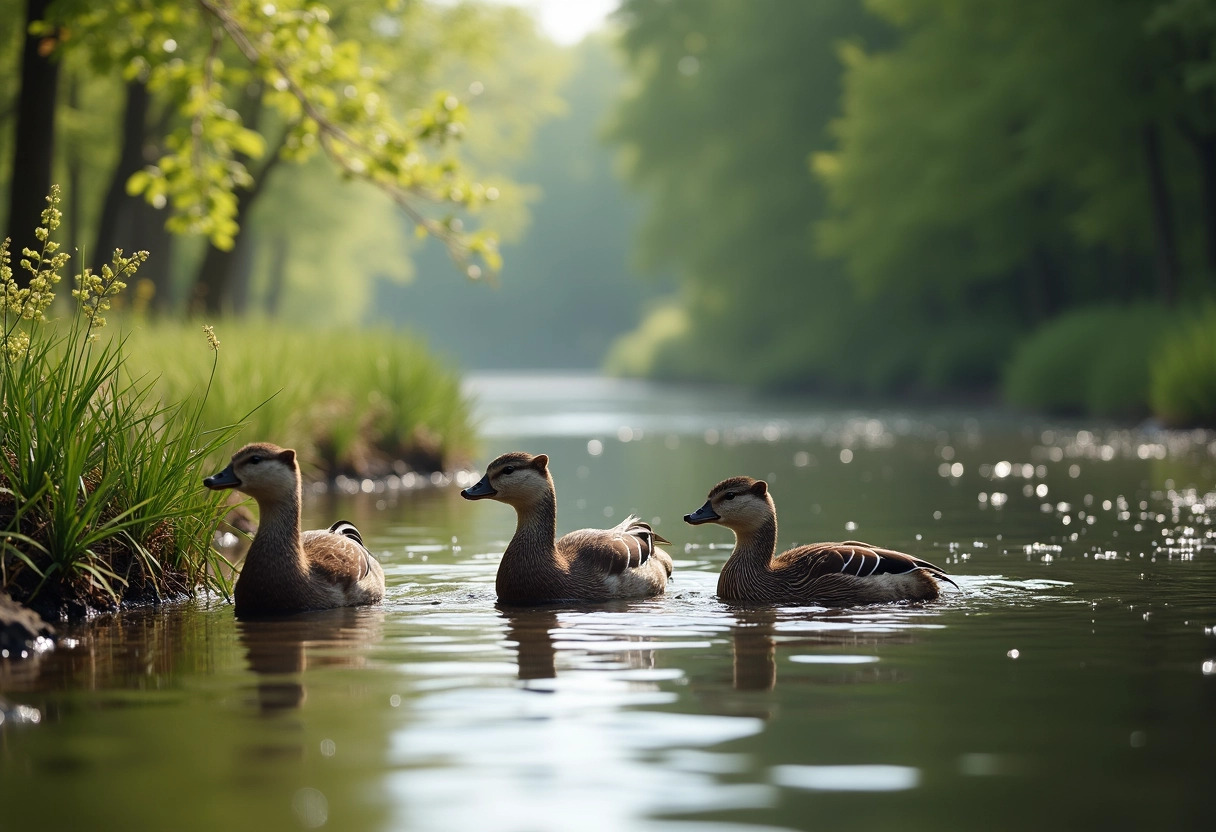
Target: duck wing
column 337, row 554
column 861, row 560
column 627, row 545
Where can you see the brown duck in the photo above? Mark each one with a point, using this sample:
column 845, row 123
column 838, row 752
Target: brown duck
column 586, row 565
column 286, row 571
column 828, row 574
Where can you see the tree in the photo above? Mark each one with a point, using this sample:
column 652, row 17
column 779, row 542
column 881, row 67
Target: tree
column 350, row 239
column 567, row 290
column 978, row 168
column 1028, row 150
column 731, row 99
column 35, row 119
column 202, row 55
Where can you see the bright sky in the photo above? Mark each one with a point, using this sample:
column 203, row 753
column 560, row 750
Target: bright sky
column 568, row 21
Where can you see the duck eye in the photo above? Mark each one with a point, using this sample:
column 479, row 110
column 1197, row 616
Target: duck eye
column 254, row 460
column 510, row 469
column 730, row 495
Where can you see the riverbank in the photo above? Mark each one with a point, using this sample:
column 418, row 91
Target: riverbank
column 103, row 506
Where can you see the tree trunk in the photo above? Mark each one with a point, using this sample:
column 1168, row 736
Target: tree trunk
column 1163, row 216
column 33, row 135
column 1042, row 286
column 213, row 287
column 115, row 225
column 1205, row 152
column 129, row 222
column 75, row 175
column 148, row 232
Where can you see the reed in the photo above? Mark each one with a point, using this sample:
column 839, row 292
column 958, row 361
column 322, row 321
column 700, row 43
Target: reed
column 99, row 496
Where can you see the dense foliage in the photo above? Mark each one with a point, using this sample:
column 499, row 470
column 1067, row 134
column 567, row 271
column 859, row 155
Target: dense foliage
column 975, row 170
column 192, row 107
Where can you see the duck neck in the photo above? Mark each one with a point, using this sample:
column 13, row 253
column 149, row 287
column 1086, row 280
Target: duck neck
column 748, row 571
column 277, row 543
column 754, row 547
column 535, row 531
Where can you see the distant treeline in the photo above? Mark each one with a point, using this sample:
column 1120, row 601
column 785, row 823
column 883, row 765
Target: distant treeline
column 897, row 196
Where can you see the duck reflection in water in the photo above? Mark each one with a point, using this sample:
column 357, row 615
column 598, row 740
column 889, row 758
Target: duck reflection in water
column 538, row 633
column 754, row 649
column 279, row 650
column 531, row 631
column 814, row 658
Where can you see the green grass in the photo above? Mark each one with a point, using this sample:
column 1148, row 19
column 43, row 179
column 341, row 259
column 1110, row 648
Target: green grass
column 107, row 432
column 99, row 496
column 1095, row 361
column 349, row 402
column 1183, row 373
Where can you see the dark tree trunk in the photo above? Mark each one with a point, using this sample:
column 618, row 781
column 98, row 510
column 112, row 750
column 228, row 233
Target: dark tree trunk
column 129, row 222
column 75, row 177
column 1205, row 152
column 148, row 232
column 1042, row 286
column 213, row 288
column 114, row 227
column 1163, row 216
column 33, row 136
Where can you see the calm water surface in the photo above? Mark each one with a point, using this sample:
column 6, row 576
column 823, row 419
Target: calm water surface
column 1071, row 684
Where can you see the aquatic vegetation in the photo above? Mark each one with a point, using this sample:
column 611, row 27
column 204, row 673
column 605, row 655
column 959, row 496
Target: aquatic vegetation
column 1095, row 361
column 99, row 497
column 1183, row 390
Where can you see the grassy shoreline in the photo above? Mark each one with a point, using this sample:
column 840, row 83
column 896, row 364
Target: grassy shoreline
column 106, row 433
column 353, row 403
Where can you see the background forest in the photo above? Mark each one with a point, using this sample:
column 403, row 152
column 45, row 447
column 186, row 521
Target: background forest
column 925, row 198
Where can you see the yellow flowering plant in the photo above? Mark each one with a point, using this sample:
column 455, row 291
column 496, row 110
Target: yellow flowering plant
column 99, row 496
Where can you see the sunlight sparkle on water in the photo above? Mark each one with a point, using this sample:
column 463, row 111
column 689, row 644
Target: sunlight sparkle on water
column 875, row 778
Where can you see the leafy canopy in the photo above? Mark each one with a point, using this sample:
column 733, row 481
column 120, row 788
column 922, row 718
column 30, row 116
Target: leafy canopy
column 330, row 97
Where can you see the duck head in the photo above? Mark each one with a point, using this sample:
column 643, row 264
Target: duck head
column 261, row 470
column 739, row 503
column 516, row 478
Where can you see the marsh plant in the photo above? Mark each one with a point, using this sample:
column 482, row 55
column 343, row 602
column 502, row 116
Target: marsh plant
column 99, row 496
column 355, row 402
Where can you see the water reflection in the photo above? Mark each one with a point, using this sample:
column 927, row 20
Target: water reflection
column 531, row 631
column 280, row 650
column 753, row 649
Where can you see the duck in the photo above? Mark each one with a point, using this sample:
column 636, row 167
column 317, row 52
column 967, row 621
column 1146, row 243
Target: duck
column 286, row 571
column 585, row 565
column 829, row 574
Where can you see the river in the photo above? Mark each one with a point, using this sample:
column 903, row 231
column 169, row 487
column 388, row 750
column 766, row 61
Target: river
column 1070, row 683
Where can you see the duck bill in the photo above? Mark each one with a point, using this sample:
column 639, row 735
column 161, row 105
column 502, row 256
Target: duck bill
column 224, row 479
column 705, row 514
column 481, row 491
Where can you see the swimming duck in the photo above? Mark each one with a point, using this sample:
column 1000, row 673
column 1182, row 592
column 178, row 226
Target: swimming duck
column 829, row 574
column 586, row 565
column 286, row 571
